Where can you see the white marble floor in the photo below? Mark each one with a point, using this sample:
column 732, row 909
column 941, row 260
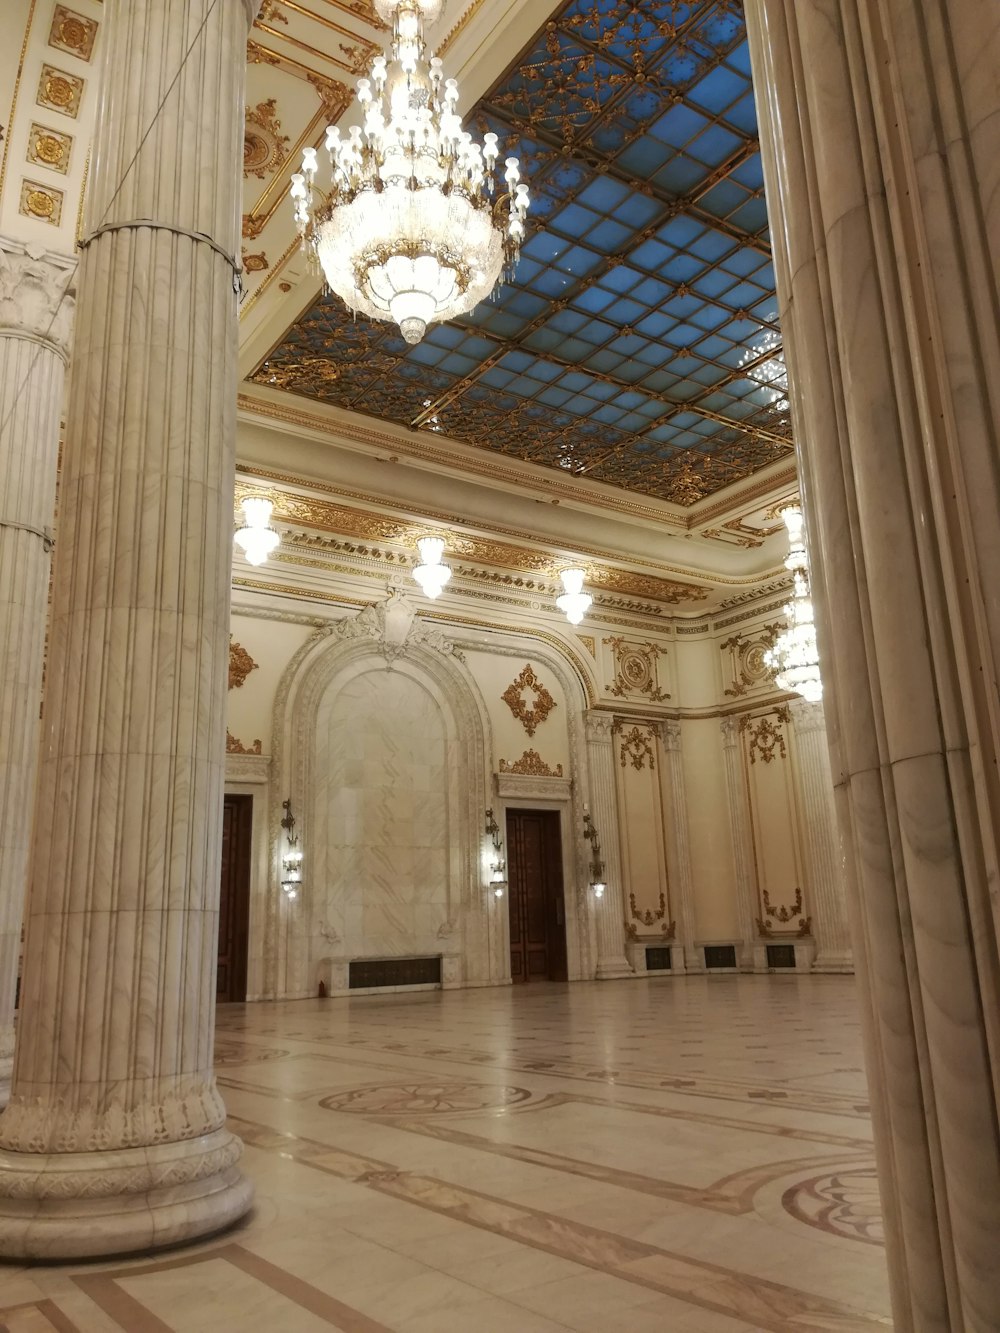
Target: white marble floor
column 646, row 1156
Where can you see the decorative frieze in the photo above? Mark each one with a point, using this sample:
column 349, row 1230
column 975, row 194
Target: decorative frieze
column 531, row 764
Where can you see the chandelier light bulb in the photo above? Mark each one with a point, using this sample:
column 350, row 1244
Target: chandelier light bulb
column 256, row 538
column 431, row 574
column 414, row 225
column 794, row 658
column 573, row 601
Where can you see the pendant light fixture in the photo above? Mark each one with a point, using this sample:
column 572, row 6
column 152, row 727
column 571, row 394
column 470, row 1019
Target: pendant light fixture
column 794, row 658
column 431, row 574
column 256, row 538
column 573, row 601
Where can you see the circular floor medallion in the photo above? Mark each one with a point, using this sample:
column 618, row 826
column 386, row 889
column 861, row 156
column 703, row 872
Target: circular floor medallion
column 842, row 1203
column 424, row 1098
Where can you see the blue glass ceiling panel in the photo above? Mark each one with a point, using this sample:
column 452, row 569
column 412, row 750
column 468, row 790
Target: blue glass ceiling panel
column 645, row 279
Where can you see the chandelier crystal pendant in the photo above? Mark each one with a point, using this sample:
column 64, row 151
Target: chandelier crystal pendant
column 431, row 574
column 573, row 601
column 413, row 227
column 794, row 657
column 256, row 538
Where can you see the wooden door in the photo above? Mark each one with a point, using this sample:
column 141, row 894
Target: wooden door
column 535, row 896
column 234, row 899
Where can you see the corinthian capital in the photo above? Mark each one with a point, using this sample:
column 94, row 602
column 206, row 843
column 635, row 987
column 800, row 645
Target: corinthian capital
column 36, row 294
column 598, row 725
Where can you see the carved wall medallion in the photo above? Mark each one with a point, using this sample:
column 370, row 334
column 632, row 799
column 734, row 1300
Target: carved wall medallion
column 264, row 146
column 749, row 670
column 49, row 148
column 41, row 202
column 635, row 669
column 235, row 746
column 766, row 739
column 240, row 665
column 255, row 263
column 533, row 765
column 73, row 32
column 531, row 716
column 59, row 90
column 637, row 747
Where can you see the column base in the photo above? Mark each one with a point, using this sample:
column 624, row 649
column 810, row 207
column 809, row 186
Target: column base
column 612, row 969
column 91, row 1204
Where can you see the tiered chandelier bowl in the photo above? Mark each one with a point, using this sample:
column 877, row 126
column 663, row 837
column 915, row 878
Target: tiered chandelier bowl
column 794, row 658
column 413, row 228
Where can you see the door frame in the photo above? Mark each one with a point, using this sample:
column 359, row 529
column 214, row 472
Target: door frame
column 577, row 925
column 258, row 878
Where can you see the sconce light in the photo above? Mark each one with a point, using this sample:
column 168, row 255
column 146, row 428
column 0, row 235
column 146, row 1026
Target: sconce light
column 291, row 861
column 597, row 880
column 498, row 869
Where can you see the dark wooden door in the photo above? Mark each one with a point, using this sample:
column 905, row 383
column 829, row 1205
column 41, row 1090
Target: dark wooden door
column 234, row 899
column 535, row 896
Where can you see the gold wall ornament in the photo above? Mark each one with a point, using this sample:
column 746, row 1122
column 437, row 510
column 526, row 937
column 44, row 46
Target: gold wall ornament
column 748, row 668
column 59, row 90
column 49, row 148
column 240, row 664
column 41, row 202
column 649, row 917
column 589, row 642
column 271, row 12
column 531, row 764
column 531, row 716
column 635, row 669
column 783, row 914
column 255, row 263
column 766, row 739
column 235, row 746
column 264, row 146
column 73, row 32
column 636, row 747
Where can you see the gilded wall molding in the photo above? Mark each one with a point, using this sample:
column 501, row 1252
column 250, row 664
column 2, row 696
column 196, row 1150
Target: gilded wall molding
column 530, row 715
column 531, row 764
column 240, row 664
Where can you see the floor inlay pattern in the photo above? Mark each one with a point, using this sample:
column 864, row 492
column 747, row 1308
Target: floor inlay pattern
column 679, row 1155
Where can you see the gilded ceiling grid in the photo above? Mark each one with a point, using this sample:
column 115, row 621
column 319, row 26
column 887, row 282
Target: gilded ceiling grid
column 662, row 450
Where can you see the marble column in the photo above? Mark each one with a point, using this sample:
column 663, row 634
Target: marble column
column 826, row 900
column 609, row 911
column 36, row 316
column 738, row 801
column 678, row 846
column 880, row 133
column 114, row 1138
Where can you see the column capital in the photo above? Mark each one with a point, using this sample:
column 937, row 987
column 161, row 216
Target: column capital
column 730, row 727
column 36, row 293
column 807, row 716
column 599, row 726
column 670, row 734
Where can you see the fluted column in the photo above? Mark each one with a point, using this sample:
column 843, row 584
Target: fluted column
column 678, row 844
column 115, row 1138
column 827, row 901
column 738, row 801
column 609, row 910
column 880, row 134
column 36, row 316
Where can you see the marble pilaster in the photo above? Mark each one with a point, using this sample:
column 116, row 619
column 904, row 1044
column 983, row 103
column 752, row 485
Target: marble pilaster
column 114, row 1138
column 36, row 315
column 880, row 135
column 609, row 911
column 738, row 801
column 826, row 899
column 678, row 845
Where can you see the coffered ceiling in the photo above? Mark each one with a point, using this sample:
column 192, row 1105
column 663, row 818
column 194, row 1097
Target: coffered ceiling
column 619, row 351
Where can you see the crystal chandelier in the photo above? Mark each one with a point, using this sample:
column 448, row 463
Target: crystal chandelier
column 256, row 538
column 431, row 574
column 573, row 601
column 794, row 658
column 413, row 228
column 764, row 362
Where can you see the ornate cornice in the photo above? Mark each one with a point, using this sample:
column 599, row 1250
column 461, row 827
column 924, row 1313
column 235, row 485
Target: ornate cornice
column 36, row 294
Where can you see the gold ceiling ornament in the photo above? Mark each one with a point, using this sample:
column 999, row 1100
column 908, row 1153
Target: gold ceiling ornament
column 59, row 90
column 240, row 664
column 271, row 12
column 264, row 146
column 531, row 716
column 235, row 746
column 747, row 663
column 41, row 202
column 646, row 585
column 73, row 32
column 636, row 746
column 49, row 148
column 531, row 764
column 310, row 374
column 255, row 263
column 636, row 671
column 766, row 739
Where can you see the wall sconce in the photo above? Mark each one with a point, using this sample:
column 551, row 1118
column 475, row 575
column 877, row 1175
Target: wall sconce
column 498, row 868
column 597, row 881
column 291, row 861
